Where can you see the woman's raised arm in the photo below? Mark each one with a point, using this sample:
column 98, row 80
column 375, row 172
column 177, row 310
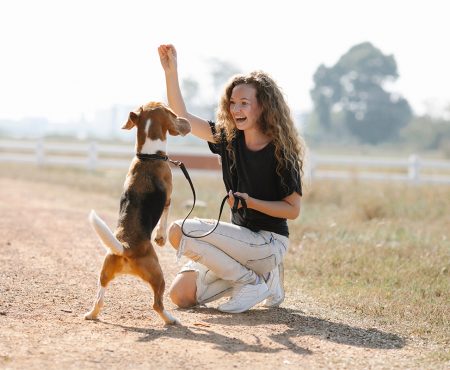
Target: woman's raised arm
column 199, row 127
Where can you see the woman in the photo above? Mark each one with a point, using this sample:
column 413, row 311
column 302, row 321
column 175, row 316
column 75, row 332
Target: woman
column 262, row 158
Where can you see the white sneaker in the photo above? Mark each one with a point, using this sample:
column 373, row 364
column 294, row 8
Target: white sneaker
column 245, row 297
column 275, row 283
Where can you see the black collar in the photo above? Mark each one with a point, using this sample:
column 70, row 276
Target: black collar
column 151, row 157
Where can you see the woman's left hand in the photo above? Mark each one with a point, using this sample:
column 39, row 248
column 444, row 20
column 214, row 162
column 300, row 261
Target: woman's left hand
column 231, row 198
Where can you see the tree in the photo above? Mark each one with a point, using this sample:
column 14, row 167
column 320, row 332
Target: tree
column 355, row 86
column 221, row 71
column 190, row 88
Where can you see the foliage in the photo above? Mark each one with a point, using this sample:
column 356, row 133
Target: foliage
column 428, row 133
column 190, row 88
column 221, row 71
column 355, row 87
column 204, row 105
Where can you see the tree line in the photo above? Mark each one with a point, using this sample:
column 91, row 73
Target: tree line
column 352, row 103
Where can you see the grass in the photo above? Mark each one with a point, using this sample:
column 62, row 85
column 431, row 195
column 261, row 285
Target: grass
column 380, row 250
column 377, row 250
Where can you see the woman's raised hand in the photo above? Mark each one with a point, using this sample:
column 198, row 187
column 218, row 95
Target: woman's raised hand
column 168, row 57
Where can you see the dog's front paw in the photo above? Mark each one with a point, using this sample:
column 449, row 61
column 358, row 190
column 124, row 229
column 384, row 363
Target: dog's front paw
column 160, row 240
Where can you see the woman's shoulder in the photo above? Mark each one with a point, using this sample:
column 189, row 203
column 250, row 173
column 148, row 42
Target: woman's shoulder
column 218, row 131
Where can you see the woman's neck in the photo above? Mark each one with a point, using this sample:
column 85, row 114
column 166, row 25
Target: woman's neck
column 255, row 139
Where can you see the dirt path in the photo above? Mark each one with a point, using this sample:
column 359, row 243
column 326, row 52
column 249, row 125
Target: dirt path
column 49, row 262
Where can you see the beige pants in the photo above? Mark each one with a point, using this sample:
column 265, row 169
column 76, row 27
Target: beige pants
column 232, row 254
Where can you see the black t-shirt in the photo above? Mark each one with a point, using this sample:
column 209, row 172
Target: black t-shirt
column 254, row 173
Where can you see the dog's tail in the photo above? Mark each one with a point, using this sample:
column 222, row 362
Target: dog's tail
column 105, row 234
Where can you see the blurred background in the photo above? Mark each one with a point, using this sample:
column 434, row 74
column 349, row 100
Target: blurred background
column 358, row 75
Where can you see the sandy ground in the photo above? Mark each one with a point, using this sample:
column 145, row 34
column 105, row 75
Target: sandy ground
column 50, row 259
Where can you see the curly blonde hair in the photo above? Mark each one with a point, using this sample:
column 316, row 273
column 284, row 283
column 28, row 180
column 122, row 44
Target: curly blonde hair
column 275, row 120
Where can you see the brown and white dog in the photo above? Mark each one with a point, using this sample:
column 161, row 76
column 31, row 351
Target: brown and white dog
column 145, row 201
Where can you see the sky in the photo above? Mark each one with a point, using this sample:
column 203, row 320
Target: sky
column 64, row 59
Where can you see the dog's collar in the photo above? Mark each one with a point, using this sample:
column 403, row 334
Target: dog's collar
column 152, row 157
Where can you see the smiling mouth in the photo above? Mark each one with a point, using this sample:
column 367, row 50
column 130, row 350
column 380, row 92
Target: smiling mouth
column 240, row 119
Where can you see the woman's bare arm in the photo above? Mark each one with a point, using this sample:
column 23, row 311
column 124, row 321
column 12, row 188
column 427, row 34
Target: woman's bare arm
column 199, row 126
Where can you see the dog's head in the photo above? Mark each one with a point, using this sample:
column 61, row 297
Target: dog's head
column 153, row 121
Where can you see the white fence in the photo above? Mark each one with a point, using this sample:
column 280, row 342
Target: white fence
column 93, row 156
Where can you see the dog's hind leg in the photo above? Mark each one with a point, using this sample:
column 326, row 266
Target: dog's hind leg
column 98, row 304
column 109, row 270
column 150, row 271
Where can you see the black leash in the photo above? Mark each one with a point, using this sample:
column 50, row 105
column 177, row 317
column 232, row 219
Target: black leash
column 181, row 165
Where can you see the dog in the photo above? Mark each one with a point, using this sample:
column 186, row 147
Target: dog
column 144, row 203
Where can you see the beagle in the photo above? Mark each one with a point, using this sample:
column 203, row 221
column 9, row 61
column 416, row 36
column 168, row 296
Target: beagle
column 145, row 201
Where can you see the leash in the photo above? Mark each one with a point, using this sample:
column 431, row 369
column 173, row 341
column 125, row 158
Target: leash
column 181, row 165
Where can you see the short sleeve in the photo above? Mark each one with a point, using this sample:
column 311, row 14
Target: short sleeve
column 216, row 148
column 291, row 182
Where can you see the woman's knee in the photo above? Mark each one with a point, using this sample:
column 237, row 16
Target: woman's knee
column 175, row 235
column 183, row 289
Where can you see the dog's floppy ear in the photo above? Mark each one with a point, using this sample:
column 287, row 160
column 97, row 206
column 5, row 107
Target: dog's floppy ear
column 133, row 119
column 179, row 126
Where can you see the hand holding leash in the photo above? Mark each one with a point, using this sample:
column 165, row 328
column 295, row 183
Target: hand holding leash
column 237, row 200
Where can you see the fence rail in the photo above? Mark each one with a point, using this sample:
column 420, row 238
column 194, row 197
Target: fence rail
column 93, row 156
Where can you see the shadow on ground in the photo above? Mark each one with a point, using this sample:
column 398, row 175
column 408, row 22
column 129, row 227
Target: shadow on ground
column 296, row 322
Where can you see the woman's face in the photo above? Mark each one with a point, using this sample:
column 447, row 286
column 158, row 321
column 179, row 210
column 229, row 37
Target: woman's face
column 244, row 107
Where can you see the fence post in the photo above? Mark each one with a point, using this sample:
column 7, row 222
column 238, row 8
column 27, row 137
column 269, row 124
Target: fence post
column 92, row 156
column 414, row 169
column 40, row 154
